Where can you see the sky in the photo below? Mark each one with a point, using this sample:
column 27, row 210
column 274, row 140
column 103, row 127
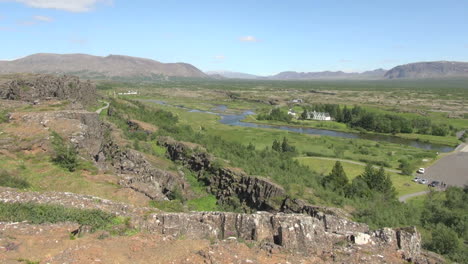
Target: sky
column 261, row 37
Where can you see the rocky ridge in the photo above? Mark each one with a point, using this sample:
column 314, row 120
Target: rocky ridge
column 35, row 87
column 296, row 232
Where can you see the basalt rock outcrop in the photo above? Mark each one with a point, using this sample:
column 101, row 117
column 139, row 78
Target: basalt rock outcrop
column 33, row 87
column 293, row 232
column 139, row 174
column 256, row 192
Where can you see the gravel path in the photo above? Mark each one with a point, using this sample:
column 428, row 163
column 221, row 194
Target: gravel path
column 102, row 108
column 411, row 195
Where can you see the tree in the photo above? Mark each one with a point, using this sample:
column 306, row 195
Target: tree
column 444, row 240
column 405, row 167
column 304, row 115
column 358, row 188
column 337, row 179
column 65, row 154
column 379, row 181
column 286, row 147
column 276, row 146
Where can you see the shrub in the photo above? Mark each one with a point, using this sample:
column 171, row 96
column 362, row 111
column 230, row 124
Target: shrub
column 3, row 117
column 44, row 213
column 66, row 155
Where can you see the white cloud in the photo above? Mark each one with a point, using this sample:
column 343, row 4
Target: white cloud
column 344, row 61
column 66, row 5
column 43, row 18
column 249, row 39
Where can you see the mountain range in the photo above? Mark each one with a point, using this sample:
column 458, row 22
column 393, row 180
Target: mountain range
column 96, row 67
column 133, row 68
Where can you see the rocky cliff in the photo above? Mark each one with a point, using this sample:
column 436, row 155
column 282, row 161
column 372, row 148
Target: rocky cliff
column 33, row 87
column 294, row 232
column 138, row 173
column 256, row 193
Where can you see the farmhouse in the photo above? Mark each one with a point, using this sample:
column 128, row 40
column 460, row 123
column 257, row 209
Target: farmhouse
column 322, row 116
column 297, row 101
column 129, row 93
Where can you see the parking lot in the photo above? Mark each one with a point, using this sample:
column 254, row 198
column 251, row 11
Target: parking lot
column 451, row 169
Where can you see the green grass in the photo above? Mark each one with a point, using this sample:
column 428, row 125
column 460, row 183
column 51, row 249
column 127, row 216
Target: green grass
column 42, row 213
column 403, row 184
column 353, row 149
column 41, row 174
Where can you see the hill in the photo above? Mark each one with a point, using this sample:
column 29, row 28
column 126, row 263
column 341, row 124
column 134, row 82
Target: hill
column 292, row 75
column 432, row 69
column 234, row 75
column 96, row 67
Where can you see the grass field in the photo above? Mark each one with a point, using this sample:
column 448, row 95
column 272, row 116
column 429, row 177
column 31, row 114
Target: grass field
column 403, row 184
column 353, row 149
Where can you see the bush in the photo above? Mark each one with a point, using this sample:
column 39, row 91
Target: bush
column 3, row 117
column 7, row 180
column 43, row 213
column 65, row 154
column 445, row 241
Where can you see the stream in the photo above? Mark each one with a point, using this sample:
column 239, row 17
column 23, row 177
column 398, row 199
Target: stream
column 236, row 120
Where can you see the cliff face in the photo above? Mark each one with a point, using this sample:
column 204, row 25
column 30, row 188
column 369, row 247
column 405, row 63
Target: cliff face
column 256, row 192
column 138, row 173
column 294, row 232
column 36, row 87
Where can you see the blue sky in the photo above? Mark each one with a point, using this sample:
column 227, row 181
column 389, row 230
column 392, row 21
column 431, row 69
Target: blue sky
column 253, row 36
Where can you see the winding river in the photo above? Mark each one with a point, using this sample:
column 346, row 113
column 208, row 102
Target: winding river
column 236, row 120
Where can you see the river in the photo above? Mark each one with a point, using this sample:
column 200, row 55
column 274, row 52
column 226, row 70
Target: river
column 236, row 120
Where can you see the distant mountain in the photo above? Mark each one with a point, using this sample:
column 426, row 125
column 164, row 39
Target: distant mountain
column 292, row 75
column 234, row 75
column 433, row 69
column 216, row 76
column 96, row 67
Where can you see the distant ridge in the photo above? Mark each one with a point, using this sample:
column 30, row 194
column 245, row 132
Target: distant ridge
column 234, row 75
column 431, row 69
column 96, row 67
column 291, row 75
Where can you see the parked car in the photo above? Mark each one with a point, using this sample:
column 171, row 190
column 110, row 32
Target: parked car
column 434, row 183
column 421, row 171
column 416, row 179
column 423, row 181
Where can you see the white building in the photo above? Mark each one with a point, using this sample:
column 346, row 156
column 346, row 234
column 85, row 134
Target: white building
column 291, row 112
column 322, row 116
column 129, row 93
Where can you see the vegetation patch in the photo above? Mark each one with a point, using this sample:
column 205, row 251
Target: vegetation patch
column 42, row 213
column 8, row 180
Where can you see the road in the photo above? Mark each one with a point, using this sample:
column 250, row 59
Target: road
column 451, row 169
column 102, row 108
column 411, row 195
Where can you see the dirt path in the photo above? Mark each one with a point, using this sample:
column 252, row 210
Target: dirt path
column 355, row 162
column 411, row 195
column 102, row 108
